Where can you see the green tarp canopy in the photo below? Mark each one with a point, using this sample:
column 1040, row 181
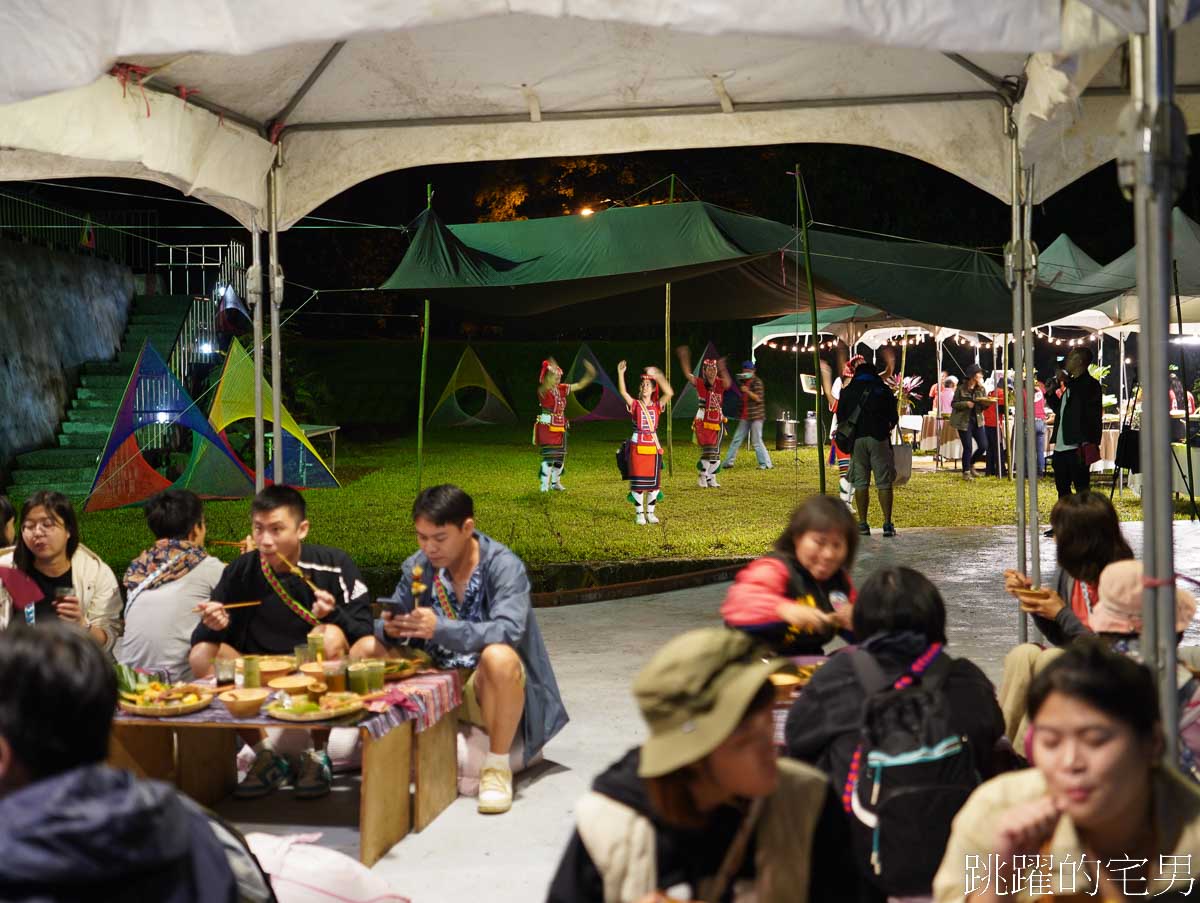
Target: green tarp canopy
column 610, row 268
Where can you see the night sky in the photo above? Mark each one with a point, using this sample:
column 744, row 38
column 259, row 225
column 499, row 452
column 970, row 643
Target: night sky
column 851, row 187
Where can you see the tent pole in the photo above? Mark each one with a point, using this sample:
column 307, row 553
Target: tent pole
column 1153, row 192
column 667, row 355
column 1187, row 416
column 424, row 366
column 812, row 306
column 1028, row 363
column 1017, row 284
column 276, row 304
column 255, row 293
column 1003, row 430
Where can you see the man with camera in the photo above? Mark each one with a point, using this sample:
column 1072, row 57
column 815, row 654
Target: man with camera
column 753, row 413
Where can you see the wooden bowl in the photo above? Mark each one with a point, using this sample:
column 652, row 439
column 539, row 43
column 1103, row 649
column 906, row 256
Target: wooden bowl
column 317, row 689
column 785, row 685
column 244, row 703
column 271, row 668
column 314, row 670
column 293, row 685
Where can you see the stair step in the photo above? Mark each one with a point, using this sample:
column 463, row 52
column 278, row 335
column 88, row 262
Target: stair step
column 106, row 368
column 100, row 416
column 76, row 427
column 49, row 458
column 74, row 491
column 78, row 441
column 104, row 381
column 109, row 394
column 31, row 478
column 96, row 404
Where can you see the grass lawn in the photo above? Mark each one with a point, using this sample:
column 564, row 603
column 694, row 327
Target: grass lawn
column 593, row 521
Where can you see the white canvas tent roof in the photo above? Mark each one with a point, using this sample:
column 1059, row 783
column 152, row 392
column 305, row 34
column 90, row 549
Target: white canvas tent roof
column 357, row 88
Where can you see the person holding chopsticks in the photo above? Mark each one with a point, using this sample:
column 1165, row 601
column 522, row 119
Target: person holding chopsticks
column 300, row 587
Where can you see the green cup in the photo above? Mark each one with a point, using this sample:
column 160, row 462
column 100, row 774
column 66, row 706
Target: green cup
column 316, row 646
column 359, row 679
column 375, row 672
column 303, row 655
column 251, row 678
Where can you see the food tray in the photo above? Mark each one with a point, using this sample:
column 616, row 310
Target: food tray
column 166, row 711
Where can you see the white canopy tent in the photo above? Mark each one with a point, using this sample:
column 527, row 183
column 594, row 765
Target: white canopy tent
column 267, row 109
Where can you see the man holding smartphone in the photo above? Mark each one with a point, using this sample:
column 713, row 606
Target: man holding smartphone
column 465, row 598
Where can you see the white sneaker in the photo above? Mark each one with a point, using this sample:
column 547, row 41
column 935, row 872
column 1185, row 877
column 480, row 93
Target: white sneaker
column 641, row 519
column 712, row 482
column 558, row 487
column 702, row 480
column 650, row 518
column 495, row 791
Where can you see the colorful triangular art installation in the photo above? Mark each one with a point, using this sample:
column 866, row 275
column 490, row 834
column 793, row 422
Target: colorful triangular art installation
column 688, row 401
column 154, row 397
column 609, row 407
column 234, row 401
column 470, row 374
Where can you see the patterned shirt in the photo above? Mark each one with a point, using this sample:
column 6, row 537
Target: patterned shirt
column 470, row 608
column 751, row 409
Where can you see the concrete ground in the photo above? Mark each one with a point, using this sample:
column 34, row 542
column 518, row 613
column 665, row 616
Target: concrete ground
column 596, row 650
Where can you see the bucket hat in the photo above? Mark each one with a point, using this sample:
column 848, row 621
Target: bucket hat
column 694, row 692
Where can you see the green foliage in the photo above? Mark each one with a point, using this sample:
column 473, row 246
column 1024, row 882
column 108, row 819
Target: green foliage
column 592, row 521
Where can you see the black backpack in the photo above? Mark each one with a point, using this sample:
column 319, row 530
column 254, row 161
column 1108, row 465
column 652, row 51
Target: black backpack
column 910, row 774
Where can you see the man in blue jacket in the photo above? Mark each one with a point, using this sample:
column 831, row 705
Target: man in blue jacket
column 465, row 598
column 71, row 828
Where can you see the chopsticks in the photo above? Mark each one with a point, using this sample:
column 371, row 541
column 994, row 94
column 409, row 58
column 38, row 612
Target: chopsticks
column 299, row 573
column 230, row 605
column 223, row 542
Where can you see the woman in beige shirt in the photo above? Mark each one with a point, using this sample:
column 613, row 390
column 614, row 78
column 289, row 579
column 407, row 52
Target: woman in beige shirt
column 1098, row 816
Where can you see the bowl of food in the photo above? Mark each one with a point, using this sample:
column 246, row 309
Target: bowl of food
column 293, row 684
column 275, row 666
column 316, row 689
column 314, row 670
column 244, row 703
column 785, row 685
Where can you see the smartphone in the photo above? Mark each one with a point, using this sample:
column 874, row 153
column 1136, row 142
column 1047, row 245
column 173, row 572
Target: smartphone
column 391, row 606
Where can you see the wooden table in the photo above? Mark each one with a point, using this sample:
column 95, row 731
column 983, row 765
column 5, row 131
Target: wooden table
column 409, row 776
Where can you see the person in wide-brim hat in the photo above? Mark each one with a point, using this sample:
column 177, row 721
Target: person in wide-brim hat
column 679, row 814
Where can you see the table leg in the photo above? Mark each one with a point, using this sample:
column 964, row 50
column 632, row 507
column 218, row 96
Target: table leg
column 207, row 763
column 435, row 770
column 148, row 752
column 333, row 456
column 385, row 808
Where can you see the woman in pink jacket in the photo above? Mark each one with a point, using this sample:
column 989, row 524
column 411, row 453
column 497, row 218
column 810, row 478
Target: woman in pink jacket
column 797, row 597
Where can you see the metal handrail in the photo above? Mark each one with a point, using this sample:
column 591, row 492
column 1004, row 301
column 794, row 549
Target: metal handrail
column 123, row 236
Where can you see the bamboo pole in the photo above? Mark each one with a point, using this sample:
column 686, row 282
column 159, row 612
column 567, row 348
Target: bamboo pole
column 667, row 357
column 816, row 350
column 424, row 368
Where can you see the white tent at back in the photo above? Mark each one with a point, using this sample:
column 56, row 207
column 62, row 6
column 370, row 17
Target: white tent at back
column 357, row 88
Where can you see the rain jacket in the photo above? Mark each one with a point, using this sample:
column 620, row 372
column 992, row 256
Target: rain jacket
column 507, row 619
column 95, row 833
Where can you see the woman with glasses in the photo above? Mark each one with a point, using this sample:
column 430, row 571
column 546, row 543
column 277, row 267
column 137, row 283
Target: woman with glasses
column 77, row 587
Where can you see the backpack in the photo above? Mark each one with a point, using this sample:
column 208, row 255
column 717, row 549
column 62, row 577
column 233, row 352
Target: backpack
column 847, row 428
column 910, row 774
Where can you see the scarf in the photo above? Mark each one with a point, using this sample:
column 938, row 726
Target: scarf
column 170, row 558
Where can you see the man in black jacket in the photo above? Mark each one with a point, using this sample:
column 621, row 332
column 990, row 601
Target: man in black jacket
column 1078, row 413
column 71, row 828
column 872, row 451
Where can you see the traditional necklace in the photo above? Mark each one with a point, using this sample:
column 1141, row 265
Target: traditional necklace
column 284, row 596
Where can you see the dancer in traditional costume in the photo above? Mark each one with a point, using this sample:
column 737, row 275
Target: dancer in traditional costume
column 645, row 452
column 550, row 430
column 709, row 422
column 833, row 393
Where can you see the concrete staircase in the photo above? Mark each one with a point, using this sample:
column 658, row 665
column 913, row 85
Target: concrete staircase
column 70, row 467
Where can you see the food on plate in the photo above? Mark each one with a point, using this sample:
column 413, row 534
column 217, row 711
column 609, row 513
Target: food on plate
column 155, row 693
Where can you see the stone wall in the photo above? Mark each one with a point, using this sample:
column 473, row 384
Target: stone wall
column 57, row 312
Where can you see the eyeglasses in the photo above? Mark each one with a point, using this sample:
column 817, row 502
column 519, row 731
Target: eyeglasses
column 46, row 526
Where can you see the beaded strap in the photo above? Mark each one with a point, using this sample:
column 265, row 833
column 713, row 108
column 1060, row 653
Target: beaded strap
column 923, row 661
column 299, row 610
